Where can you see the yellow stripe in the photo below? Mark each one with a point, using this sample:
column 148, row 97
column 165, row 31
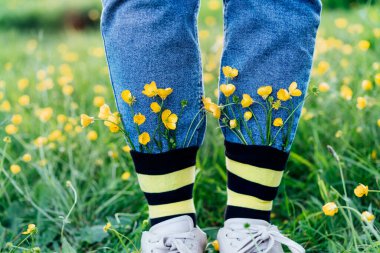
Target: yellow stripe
column 181, row 207
column 255, row 174
column 241, row 200
column 166, row 182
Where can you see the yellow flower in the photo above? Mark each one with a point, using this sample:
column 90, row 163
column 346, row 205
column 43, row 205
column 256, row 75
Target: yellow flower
column 227, row 89
column 233, row 123
column 104, row 112
column 125, row 176
column 24, row 100
column 323, row 87
column 264, row 91
column 164, row 93
column 150, row 89
column 367, row 216
column 330, row 209
column 361, row 190
column 341, row 23
column 7, row 139
column 31, row 228
column 361, row 103
column 67, row 90
column 139, row 119
column 44, row 114
column 5, row 106
column 276, row 105
column 248, row 115
column 156, row 108
column 169, row 119
column 230, row 72
column 107, row 227
column 346, row 92
column 378, row 122
column 15, row 169
column 215, row 244
column 16, row 119
column 27, row 157
column 144, row 138
column 22, row 84
column 126, row 148
column 246, row 101
column 367, row 85
column 92, row 135
column 112, row 122
column 127, row 96
column 278, row 122
column 86, row 120
column 377, row 79
column 11, row 129
column 364, row 45
column 293, row 90
column 99, row 101
column 323, row 67
column 283, row 95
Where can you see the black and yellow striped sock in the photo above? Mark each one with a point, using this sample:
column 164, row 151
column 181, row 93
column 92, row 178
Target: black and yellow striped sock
column 254, row 175
column 167, row 180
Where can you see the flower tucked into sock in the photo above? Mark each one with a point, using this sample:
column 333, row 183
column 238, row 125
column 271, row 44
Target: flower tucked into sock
column 254, row 175
column 167, row 180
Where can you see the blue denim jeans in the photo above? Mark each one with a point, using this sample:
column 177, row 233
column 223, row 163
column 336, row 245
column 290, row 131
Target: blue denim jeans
column 269, row 42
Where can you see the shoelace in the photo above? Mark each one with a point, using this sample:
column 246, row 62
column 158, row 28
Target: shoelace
column 251, row 239
column 173, row 243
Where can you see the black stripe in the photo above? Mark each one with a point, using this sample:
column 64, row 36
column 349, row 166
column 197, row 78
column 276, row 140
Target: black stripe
column 256, row 155
column 161, row 219
column 242, row 212
column 166, row 162
column 183, row 193
column 243, row 186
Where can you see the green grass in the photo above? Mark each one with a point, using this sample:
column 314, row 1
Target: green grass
column 39, row 195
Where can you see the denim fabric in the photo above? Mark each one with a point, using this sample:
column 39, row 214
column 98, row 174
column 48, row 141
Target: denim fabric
column 269, row 42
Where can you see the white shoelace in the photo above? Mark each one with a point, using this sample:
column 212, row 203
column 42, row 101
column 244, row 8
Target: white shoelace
column 251, row 240
column 173, row 243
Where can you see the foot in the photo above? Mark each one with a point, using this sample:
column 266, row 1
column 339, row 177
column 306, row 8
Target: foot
column 250, row 236
column 177, row 235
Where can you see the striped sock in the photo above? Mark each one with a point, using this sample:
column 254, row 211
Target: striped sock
column 167, row 180
column 254, row 174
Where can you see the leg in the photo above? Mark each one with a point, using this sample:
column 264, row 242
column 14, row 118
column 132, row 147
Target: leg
column 271, row 43
column 152, row 45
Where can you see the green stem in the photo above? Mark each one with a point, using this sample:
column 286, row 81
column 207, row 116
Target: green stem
column 191, row 124
column 195, row 129
column 258, row 125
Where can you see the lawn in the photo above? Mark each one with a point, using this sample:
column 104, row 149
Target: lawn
column 70, row 181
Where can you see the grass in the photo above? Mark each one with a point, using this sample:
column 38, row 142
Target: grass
column 40, row 194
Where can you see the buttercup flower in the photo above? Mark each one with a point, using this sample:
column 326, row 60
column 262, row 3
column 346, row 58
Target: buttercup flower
column 323, row 87
column 361, row 103
column 367, row 85
column 293, row 90
column 169, row 119
column 367, row 216
column 92, row 135
column 346, row 92
column 126, row 148
column 283, row 95
column 139, row 119
column 31, row 228
column 246, row 101
column 27, row 157
column 127, row 96
column 233, row 123
column 230, row 72
column 112, row 122
column 276, row 105
column 16, row 119
column 264, row 91
column 11, row 129
column 99, row 101
column 278, row 122
column 377, row 79
column 107, row 227
column 144, row 138
column 150, row 89
column 361, row 190
column 164, row 93
column 247, row 115
column 86, row 120
column 125, row 176
column 156, row 108
column 363, row 45
column 104, row 112
column 227, row 89
column 215, row 244
column 330, row 209
column 215, row 110
column 15, row 169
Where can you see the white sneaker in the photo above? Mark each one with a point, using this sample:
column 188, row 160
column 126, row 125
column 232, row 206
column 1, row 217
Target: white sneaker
column 177, row 235
column 253, row 236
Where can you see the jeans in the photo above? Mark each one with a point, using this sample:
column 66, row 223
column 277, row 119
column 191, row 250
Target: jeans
column 269, row 42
